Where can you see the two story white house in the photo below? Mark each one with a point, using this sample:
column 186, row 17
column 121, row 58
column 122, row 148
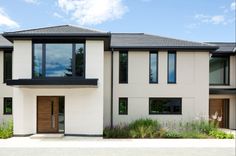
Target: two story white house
column 76, row 81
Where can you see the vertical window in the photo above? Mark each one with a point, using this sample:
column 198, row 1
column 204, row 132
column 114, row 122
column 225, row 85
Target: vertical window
column 171, row 67
column 123, row 67
column 123, row 106
column 7, row 110
column 219, row 70
column 7, row 65
column 79, row 60
column 58, row 60
column 153, row 67
column 38, row 60
column 165, row 106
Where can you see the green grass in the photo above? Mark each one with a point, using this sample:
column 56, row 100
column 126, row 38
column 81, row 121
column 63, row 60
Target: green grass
column 6, row 129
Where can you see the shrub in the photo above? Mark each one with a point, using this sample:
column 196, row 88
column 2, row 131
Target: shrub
column 200, row 126
column 172, row 134
column 220, row 134
column 6, row 129
column 144, row 128
column 116, row 132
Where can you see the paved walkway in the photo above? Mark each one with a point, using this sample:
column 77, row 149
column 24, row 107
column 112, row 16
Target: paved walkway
column 116, row 147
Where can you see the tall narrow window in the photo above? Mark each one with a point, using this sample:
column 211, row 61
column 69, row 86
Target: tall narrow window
column 123, row 106
column 219, row 70
column 153, row 67
column 7, row 66
column 79, row 60
column 38, row 60
column 7, row 110
column 171, row 67
column 123, row 67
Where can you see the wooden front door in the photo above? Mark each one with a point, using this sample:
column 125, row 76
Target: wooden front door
column 221, row 106
column 47, row 114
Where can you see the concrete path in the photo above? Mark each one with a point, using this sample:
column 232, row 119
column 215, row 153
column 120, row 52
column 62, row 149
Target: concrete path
column 73, row 146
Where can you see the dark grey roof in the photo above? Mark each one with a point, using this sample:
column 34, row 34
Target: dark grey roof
column 4, row 43
column 225, row 47
column 141, row 40
column 62, row 30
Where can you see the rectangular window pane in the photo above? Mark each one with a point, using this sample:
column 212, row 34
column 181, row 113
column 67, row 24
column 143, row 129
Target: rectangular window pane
column 79, row 60
column 7, row 106
column 58, row 60
column 171, row 67
column 219, row 70
column 7, row 66
column 123, row 67
column 123, row 106
column 165, row 106
column 61, row 116
column 153, row 71
column 37, row 69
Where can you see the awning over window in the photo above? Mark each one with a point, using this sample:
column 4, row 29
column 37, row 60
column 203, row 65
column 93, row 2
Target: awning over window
column 222, row 90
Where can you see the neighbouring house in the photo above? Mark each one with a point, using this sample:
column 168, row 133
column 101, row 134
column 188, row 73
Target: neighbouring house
column 76, row 81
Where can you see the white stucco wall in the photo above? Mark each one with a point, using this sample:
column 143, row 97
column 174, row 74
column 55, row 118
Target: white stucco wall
column 192, row 86
column 83, row 106
column 5, row 91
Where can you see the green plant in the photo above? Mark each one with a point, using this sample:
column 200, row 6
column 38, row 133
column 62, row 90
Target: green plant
column 220, row 134
column 172, row 134
column 6, row 129
column 116, row 132
column 144, row 128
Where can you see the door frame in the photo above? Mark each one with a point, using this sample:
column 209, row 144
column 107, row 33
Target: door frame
column 57, row 116
column 226, row 107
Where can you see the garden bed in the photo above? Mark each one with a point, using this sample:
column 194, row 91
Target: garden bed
column 147, row 128
column 6, row 129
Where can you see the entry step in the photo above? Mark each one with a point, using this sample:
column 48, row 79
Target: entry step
column 43, row 136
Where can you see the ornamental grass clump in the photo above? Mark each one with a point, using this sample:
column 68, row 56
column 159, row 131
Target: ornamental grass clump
column 6, row 129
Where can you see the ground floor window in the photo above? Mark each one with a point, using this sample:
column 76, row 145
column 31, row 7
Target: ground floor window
column 123, row 106
column 165, row 105
column 7, row 110
column 61, row 116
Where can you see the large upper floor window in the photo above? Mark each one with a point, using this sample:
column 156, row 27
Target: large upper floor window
column 165, row 106
column 153, row 67
column 219, row 70
column 58, row 60
column 7, row 65
column 171, row 67
column 123, row 67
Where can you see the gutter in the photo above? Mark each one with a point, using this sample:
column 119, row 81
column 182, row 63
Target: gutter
column 112, row 52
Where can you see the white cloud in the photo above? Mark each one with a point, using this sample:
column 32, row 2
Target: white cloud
column 32, row 1
column 55, row 14
column 5, row 20
column 217, row 19
column 233, row 6
column 91, row 12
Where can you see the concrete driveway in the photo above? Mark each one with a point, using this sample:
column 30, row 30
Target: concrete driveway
column 74, row 146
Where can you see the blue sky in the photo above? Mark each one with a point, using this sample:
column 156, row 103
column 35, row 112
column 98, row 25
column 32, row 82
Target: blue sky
column 197, row 20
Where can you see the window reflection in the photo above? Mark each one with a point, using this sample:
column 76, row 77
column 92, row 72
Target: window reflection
column 171, row 67
column 38, row 60
column 153, row 67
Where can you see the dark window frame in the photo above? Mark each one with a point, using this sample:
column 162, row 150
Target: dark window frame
column 223, row 84
column 126, row 99
column 152, row 113
column 4, row 106
column 157, row 64
column 73, row 63
column 168, row 67
column 4, row 66
column 127, row 71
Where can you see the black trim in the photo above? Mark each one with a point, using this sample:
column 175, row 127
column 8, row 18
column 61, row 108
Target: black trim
column 172, row 52
column 4, row 105
column 126, row 102
column 223, row 84
column 127, row 71
column 157, row 61
column 112, row 59
column 151, row 113
column 53, row 81
column 160, row 48
column 222, row 91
